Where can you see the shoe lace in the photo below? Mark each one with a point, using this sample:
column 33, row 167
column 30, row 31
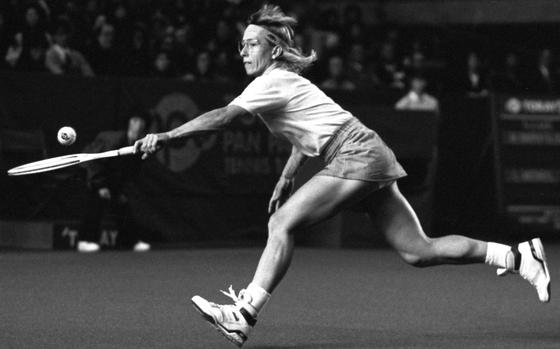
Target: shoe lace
column 231, row 294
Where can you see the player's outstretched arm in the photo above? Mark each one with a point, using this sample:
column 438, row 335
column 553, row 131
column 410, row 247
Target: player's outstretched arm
column 212, row 120
column 285, row 184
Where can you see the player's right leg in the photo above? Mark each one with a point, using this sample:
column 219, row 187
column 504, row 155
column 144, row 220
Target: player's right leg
column 318, row 199
column 393, row 216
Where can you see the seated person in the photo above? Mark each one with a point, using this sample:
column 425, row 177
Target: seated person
column 417, row 98
column 107, row 181
column 336, row 78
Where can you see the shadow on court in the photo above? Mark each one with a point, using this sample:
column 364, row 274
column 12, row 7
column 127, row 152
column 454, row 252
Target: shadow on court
column 329, row 299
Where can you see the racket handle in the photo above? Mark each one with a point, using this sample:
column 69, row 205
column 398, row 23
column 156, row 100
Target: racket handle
column 126, row 150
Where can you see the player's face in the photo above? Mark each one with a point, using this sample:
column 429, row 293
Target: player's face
column 255, row 51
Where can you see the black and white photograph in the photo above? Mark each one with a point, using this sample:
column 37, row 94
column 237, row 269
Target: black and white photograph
column 279, row 174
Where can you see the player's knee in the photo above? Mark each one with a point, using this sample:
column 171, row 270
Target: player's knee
column 412, row 259
column 277, row 229
column 420, row 254
column 418, row 260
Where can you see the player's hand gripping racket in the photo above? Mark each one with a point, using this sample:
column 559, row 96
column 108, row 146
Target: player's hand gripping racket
column 65, row 161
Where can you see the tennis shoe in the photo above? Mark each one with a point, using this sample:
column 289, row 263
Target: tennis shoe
column 141, row 246
column 231, row 320
column 88, row 247
column 532, row 266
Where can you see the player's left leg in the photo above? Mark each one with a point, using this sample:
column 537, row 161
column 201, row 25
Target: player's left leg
column 392, row 215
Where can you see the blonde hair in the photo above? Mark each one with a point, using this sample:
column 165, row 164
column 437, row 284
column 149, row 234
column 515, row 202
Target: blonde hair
column 280, row 29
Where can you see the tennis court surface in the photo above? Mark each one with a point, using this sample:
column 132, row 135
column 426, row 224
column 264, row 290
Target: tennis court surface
column 329, row 299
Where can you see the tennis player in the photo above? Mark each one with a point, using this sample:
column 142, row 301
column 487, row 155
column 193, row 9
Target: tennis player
column 360, row 170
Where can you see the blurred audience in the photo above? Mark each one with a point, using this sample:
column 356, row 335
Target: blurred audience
column 27, row 53
column 474, row 80
column 185, row 51
column 389, row 70
column 26, row 49
column 336, row 75
column 163, row 65
column 104, row 56
column 34, row 27
column 509, row 78
column 60, row 58
column 3, row 38
column 196, row 40
column 357, row 65
column 138, row 52
column 417, row 98
column 202, row 71
column 543, row 76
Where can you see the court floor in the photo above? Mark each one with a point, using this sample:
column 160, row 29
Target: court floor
column 329, row 299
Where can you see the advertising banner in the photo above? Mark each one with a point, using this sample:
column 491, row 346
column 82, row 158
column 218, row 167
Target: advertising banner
column 527, row 151
column 211, row 186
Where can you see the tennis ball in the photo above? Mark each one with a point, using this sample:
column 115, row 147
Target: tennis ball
column 66, row 135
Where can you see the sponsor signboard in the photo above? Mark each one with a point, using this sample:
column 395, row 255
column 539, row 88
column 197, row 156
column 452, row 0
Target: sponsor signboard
column 527, row 151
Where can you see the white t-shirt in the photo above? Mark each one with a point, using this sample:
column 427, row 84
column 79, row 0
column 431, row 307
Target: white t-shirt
column 294, row 108
column 413, row 101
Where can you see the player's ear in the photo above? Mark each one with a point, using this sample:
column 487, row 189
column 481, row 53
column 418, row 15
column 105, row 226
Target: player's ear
column 277, row 52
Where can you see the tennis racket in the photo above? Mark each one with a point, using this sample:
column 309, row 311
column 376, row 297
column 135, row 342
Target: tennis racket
column 66, row 160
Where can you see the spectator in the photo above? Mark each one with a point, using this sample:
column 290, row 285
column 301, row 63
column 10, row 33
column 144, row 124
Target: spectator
column 104, row 57
column 108, row 186
column 337, row 76
column 223, row 38
column 329, row 21
column 27, row 55
column 352, row 15
column 26, row 52
column 327, row 38
column 331, row 43
column 184, row 50
column 181, row 11
column 543, row 77
column 3, row 39
column 223, row 67
column 90, row 14
column 167, row 42
column 354, row 31
column 509, row 79
column 120, row 18
column 160, row 27
column 203, row 71
column 138, row 52
column 14, row 51
column 75, row 14
column 475, row 80
column 163, row 65
column 34, row 25
column 62, row 59
column 389, row 70
column 415, row 63
column 356, row 64
column 417, row 98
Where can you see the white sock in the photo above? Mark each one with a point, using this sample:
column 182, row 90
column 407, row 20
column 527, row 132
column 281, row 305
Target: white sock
column 499, row 255
column 254, row 299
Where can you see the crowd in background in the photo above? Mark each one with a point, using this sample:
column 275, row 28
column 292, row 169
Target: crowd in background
column 197, row 41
